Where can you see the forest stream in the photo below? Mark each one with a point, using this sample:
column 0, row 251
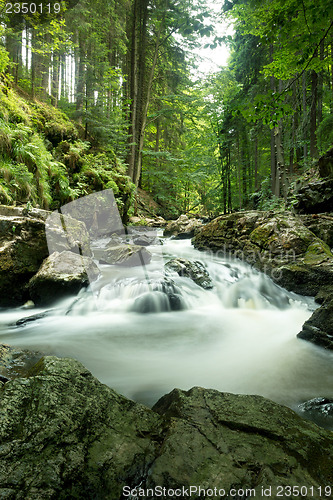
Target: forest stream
column 239, row 336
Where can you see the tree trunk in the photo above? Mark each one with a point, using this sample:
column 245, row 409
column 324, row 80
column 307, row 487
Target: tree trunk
column 55, row 78
column 304, row 106
column 313, row 114
column 80, row 77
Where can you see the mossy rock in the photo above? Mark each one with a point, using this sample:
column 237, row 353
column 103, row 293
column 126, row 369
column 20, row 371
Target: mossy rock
column 317, row 252
column 64, row 435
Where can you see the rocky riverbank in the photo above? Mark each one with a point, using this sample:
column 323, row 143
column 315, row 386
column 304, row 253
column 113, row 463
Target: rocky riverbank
column 284, row 247
column 65, row 435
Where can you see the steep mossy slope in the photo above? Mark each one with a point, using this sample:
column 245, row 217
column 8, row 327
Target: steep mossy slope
column 44, row 161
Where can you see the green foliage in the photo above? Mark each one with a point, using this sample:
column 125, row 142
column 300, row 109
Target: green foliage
column 16, row 182
column 4, row 59
column 265, row 200
column 325, row 133
column 53, row 123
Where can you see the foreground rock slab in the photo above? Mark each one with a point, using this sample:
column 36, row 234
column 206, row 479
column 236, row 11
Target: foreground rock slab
column 61, row 274
column 65, row 435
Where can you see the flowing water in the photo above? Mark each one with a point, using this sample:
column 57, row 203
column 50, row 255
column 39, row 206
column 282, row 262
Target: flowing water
column 238, row 337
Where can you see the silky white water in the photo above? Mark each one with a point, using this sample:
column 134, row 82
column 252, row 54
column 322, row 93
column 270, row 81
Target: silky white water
column 238, row 337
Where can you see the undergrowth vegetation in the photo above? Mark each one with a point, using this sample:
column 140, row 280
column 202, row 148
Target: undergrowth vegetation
column 44, row 163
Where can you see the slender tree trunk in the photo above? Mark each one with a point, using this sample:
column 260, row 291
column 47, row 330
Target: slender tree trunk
column 304, row 106
column 81, row 77
column 55, row 78
column 144, row 115
column 256, row 183
column 14, row 49
column 313, row 114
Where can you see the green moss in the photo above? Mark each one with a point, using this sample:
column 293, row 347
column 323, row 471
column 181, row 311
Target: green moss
column 317, row 252
column 53, row 123
column 262, row 235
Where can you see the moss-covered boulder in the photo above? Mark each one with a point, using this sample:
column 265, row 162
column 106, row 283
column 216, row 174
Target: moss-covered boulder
column 321, row 225
column 65, row 435
column 61, row 275
column 23, row 248
column 238, row 442
column 277, row 244
column 27, row 237
column 182, row 228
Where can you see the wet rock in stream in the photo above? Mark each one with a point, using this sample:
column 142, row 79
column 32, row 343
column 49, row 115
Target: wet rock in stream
column 196, row 271
column 318, row 410
column 65, row 435
column 61, row 275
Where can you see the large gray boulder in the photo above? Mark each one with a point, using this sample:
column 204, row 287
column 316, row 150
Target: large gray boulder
column 319, row 328
column 61, row 274
column 23, row 248
column 64, row 435
column 27, row 237
column 182, row 228
column 238, row 442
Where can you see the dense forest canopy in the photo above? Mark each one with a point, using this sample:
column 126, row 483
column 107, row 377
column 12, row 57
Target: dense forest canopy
column 139, row 116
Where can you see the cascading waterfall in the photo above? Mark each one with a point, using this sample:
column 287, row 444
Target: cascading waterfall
column 145, row 330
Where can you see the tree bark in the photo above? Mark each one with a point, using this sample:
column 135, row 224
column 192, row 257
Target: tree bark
column 313, row 114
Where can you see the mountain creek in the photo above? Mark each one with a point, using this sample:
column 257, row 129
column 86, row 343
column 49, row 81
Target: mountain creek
column 238, row 335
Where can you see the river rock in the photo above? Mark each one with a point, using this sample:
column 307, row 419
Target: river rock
column 315, row 197
column 318, row 410
column 237, row 442
column 182, row 228
column 319, row 328
column 63, row 232
column 61, row 274
column 196, row 271
column 16, row 362
column 126, row 255
column 23, row 248
column 64, row 435
column 145, row 240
